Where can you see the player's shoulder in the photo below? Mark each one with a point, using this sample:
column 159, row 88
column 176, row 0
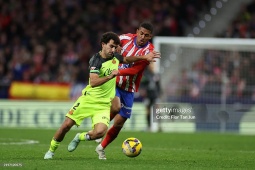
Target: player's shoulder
column 150, row 46
column 95, row 56
column 127, row 36
column 95, row 59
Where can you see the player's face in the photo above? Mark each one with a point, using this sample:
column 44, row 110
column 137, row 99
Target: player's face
column 108, row 49
column 143, row 36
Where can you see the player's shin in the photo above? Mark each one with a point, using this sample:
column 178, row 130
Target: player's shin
column 110, row 136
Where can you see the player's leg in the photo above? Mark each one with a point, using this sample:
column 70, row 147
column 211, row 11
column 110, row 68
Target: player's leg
column 112, row 133
column 78, row 113
column 98, row 132
column 126, row 99
column 58, row 137
column 100, row 122
column 115, row 108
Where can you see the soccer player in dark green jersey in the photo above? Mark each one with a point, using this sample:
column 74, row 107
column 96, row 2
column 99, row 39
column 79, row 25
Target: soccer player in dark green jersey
column 95, row 100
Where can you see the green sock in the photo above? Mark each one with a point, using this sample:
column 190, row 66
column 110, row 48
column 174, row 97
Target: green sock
column 54, row 145
column 84, row 136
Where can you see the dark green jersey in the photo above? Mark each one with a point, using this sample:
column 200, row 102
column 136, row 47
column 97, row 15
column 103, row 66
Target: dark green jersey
column 103, row 67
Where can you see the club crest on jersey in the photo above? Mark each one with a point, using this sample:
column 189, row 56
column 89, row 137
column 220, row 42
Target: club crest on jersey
column 113, row 61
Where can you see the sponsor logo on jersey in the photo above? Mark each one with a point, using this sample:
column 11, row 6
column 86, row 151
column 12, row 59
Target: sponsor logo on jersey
column 107, row 72
column 124, row 66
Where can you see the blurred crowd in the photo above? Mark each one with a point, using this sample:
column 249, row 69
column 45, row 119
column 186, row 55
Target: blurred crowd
column 243, row 26
column 218, row 74
column 53, row 40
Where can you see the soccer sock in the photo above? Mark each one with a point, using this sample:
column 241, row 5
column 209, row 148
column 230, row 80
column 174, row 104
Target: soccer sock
column 84, row 136
column 54, row 145
column 110, row 136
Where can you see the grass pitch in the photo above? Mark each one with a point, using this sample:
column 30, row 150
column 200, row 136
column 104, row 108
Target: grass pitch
column 161, row 151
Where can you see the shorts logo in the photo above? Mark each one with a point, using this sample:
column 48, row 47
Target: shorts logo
column 70, row 112
column 106, row 118
column 122, row 105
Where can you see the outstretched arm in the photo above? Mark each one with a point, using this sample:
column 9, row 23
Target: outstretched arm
column 137, row 67
column 149, row 57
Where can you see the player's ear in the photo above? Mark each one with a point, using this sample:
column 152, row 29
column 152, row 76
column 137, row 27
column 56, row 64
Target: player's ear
column 150, row 37
column 102, row 44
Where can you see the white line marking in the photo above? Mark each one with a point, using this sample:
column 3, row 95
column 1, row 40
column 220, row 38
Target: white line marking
column 20, row 142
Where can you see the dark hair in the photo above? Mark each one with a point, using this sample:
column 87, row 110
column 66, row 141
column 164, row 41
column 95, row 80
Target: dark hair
column 147, row 25
column 106, row 37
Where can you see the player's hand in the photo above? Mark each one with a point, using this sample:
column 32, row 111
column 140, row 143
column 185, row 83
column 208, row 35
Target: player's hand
column 114, row 73
column 152, row 56
column 118, row 49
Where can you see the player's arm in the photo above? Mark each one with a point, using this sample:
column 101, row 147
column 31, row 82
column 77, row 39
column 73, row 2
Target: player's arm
column 149, row 57
column 136, row 68
column 95, row 80
column 95, row 63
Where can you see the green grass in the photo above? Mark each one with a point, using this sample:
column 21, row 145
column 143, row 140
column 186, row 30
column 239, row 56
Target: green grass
column 161, row 151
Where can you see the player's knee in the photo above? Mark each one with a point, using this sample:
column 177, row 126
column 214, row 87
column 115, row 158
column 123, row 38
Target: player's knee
column 115, row 109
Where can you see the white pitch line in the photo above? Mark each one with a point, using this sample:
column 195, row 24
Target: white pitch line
column 21, row 142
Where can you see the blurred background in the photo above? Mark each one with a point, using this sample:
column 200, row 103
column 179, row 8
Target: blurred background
column 207, row 48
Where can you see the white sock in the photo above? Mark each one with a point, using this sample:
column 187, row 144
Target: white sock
column 87, row 137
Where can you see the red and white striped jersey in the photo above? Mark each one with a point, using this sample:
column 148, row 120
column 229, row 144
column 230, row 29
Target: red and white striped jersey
column 131, row 74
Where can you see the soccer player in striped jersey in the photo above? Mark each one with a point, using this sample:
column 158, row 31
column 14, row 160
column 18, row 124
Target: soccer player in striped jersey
column 95, row 100
column 128, row 80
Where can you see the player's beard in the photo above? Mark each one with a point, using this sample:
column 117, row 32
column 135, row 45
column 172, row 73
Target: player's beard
column 110, row 55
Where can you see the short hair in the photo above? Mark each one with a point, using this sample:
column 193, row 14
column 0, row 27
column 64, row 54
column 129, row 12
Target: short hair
column 106, row 37
column 147, row 25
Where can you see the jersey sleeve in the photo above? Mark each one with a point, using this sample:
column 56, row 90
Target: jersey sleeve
column 150, row 49
column 95, row 64
column 135, row 69
column 119, row 57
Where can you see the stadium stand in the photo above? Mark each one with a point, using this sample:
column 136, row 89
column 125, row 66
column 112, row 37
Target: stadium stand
column 52, row 40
